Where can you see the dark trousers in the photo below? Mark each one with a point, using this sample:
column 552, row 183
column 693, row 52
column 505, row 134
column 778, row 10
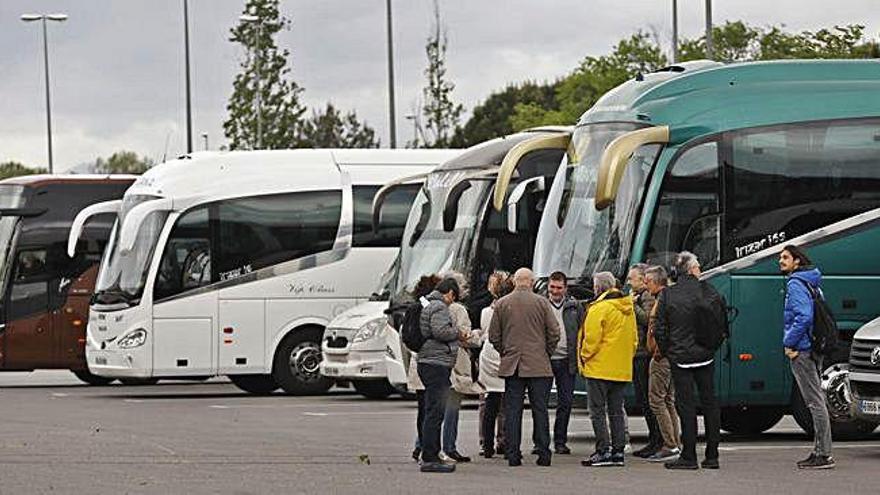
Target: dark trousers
column 605, row 399
column 564, row 399
column 641, row 373
column 514, row 395
column 436, row 381
column 490, row 415
column 420, row 417
column 703, row 379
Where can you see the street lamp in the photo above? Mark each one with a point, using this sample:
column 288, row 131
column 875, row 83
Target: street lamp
column 44, row 18
column 189, row 139
column 392, row 120
column 258, row 34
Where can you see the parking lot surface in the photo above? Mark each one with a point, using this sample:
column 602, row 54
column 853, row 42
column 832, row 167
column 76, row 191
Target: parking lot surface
column 57, row 436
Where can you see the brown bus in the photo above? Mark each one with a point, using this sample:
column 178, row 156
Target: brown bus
column 45, row 294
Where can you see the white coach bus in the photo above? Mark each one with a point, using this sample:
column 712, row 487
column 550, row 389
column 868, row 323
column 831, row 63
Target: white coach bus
column 233, row 263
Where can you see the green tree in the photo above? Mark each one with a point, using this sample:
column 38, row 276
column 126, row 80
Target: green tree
column 441, row 113
column 14, row 169
column 596, row 75
column 333, row 129
column 492, row 117
column 122, row 162
column 281, row 114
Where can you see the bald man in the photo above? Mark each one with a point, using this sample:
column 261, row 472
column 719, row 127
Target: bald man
column 525, row 332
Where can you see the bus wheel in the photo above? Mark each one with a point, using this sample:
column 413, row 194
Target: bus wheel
column 836, row 388
column 374, row 389
column 138, row 382
column 255, row 384
column 746, row 420
column 92, row 379
column 297, row 365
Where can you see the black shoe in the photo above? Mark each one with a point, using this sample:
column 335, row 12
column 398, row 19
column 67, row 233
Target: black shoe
column 819, row 462
column 681, row 464
column 543, row 461
column 562, row 450
column 417, row 454
column 536, row 451
column 455, row 456
column 488, row 453
column 806, row 462
column 710, row 464
column 598, row 459
column 514, row 462
column 617, row 459
column 437, row 467
column 646, row 451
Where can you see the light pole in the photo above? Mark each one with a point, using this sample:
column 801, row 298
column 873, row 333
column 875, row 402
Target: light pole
column 674, row 31
column 189, row 122
column 392, row 124
column 205, row 137
column 709, row 45
column 259, row 104
column 44, row 18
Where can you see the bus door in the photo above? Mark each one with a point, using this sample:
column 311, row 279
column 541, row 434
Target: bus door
column 29, row 334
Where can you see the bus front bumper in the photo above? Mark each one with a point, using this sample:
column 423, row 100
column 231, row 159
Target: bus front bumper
column 117, row 364
column 354, row 365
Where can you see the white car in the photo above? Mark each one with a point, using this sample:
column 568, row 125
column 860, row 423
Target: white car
column 864, row 372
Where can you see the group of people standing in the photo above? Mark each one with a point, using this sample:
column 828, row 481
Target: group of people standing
column 661, row 337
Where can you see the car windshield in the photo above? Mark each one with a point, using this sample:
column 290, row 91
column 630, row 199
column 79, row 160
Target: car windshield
column 427, row 248
column 124, row 274
column 10, row 197
column 576, row 238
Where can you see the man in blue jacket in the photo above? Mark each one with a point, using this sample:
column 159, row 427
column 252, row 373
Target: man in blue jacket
column 802, row 280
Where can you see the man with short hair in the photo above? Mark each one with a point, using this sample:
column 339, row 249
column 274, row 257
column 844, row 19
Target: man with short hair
column 525, row 333
column 644, row 302
column 435, row 361
column 569, row 315
column 661, row 392
column 607, row 343
column 802, row 280
column 677, row 325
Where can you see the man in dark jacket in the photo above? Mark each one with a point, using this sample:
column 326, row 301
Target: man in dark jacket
column 435, row 361
column 677, row 326
column 644, row 303
column 798, row 315
column 525, row 333
column 570, row 316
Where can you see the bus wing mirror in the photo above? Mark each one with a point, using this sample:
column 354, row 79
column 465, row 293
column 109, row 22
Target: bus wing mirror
column 83, row 216
column 450, row 209
column 534, row 184
column 131, row 225
column 517, row 153
column 617, row 155
column 384, row 191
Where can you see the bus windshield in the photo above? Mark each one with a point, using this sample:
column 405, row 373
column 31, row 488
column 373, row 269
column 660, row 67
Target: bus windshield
column 10, row 197
column 124, row 274
column 576, row 238
column 426, row 247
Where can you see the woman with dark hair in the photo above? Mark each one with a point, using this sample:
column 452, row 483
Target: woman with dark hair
column 500, row 284
column 423, row 287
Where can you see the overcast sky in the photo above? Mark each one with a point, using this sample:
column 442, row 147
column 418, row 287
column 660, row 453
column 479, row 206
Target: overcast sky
column 117, row 66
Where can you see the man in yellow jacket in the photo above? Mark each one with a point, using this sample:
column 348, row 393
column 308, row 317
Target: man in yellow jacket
column 606, row 345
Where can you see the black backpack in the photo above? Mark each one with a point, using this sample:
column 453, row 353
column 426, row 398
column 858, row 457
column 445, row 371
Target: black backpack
column 411, row 327
column 824, row 334
column 712, row 319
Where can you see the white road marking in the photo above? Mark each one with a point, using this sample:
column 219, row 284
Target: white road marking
column 315, row 414
column 217, row 406
column 133, row 401
column 59, row 394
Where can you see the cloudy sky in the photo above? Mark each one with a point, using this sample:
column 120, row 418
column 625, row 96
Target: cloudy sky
column 117, row 65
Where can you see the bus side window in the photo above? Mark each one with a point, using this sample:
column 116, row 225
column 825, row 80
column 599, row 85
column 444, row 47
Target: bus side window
column 30, row 285
column 687, row 216
column 186, row 261
column 395, row 211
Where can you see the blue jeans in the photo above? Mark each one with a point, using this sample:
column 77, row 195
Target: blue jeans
column 450, row 422
column 564, row 399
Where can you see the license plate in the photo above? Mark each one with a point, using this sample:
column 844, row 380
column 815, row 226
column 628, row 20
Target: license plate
column 101, row 360
column 331, row 371
column 869, row 406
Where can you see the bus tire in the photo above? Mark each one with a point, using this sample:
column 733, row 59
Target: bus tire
column 297, row 363
column 255, row 384
column 374, row 389
column 854, row 429
column 138, row 382
column 744, row 420
column 91, row 378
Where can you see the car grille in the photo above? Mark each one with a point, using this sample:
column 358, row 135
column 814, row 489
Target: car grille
column 866, row 390
column 860, row 355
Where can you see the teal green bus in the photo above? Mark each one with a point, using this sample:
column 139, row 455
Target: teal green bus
column 731, row 162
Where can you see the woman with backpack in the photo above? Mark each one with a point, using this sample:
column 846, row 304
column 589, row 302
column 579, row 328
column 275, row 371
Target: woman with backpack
column 423, row 287
column 802, row 285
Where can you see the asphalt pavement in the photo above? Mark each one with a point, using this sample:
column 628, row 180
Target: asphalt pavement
column 57, row 436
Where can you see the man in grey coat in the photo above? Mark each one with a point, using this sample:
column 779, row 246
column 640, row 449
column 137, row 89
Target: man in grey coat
column 525, row 333
column 435, row 361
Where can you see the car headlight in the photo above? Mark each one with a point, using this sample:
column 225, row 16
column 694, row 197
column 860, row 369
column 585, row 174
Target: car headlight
column 133, row 339
column 369, row 330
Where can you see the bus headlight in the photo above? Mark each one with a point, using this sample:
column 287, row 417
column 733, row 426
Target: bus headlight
column 133, row 339
column 369, row 330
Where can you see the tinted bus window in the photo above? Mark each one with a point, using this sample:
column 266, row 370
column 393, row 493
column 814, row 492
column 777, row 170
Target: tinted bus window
column 395, row 211
column 186, row 261
column 786, row 181
column 254, row 233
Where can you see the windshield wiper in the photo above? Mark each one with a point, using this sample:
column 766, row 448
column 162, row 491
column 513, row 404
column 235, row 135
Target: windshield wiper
column 114, row 296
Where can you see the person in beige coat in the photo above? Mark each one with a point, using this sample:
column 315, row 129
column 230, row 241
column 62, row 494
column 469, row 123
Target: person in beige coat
column 525, row 332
